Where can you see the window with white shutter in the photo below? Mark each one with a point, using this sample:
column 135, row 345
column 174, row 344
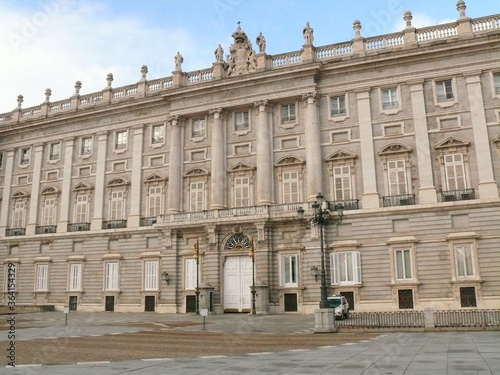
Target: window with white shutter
column 346, row 268
column 290, row 187
column 42, row 274
column 155, row 200
column 342, row 183
column 396, row 175
column 241, row 191
column 151, row 275
column 455, row 172
column 196, row 196
column 190, row 274
column 111, row 276
column 75, row 277
column 116, row 207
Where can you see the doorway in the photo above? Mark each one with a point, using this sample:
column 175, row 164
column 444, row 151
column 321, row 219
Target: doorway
column 237, row 283
column 149, row 303
column 109, row 303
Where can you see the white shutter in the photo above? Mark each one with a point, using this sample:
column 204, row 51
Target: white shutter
column 335, row 261
column 112, row 276
column 155, row 201
column 116, row 208
column 190, row 274
column 151, row 275
column 81, row 209
column 41, row 277
column 357, row 267
column 75, row 276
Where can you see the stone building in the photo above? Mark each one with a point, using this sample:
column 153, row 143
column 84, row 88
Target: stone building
column 105, row 196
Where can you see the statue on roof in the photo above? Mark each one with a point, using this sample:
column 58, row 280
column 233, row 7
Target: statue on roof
column 178, row 61
column 242, row 59
column 308, row 33
column 261, row 42
column 219, row 54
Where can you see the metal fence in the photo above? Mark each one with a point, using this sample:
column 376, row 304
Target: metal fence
column 467, row 318
column 396, row 319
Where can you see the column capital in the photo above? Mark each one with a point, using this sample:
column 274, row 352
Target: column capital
column 261, row 105
column 174, row 119
column 310, row 97
column 216, row 112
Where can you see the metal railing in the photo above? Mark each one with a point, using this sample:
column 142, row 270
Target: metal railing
column 147, row 221
column 458, row 195
column 78, row 227
column 348, row 204
column 398, row 200
column 393, row 319
column 114, row 224
column 15, row 232
column 42, row 229
column 467, row 318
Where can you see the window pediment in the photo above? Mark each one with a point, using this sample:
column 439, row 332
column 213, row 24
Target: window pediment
column 240, row 167
column 452, row 142
column 117, row 182
column 196, row 172
column 154, row 178
column 395, row 148
column 49, row 190
column 20, row 194
column 289, row 160
column 82, row 186
column 341, row 155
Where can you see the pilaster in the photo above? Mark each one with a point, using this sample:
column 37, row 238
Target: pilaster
column 136, row 183
column 62, row 224
column 313, row 148
column 264, row 156
column 96, row 223
column 35, row 190
column 218, row 167
column 175, row 166
column 370, row 195
column 7, row 191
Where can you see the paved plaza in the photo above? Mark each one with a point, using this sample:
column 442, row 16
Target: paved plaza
column 122, row 343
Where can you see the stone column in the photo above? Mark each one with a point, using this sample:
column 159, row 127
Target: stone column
column 100, row 175
column 427, row 190
column 370, row 195
column 35, row 190
column 175, row 166
column 218, row 175
column 487, row 185
column 264, row 156
column 136, row 183
column 312, row 133
column 7, row 191
column 62, row 224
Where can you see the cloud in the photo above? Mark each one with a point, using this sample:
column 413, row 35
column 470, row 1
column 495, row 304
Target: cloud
column 59, row 42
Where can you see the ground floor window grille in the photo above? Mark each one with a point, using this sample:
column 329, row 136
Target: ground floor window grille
column 405, row 298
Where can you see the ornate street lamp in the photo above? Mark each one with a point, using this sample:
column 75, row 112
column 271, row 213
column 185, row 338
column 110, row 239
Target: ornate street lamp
column 322, row 217
column 251, row 254
column 196, row 255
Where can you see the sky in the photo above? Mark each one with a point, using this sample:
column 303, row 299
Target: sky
column 54, row 43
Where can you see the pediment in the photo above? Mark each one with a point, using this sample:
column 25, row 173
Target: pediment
column 240, row 167
column 49, row 190
column 394, row 148
column 117, row 182
column 196, row 172
column 341, row 155
column 20, row 194
column 452, row 142
column 289, row 160
column 497, row 138
column 82, row 186
column 154, row 178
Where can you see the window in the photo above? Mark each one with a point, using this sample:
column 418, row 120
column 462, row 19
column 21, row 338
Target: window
column 290, row 187
column 241, row 121
column 346, row 268
column 444, row 91
column 289, row 270
column 455, row 172
column 19, row 214
column 155, row 201
column 337, row 106
column 81, row 208
column 42, row 274
column 121, row 140
column 116, row 208
column 1, row 159
column 75, row 277
column 198, row 128
column 396, row 174
column 390, row 98
column 468, row 297
column 111, row 276
column 403, row 264
column 151, row 275
column 288, row 113
column 55, row 151
column 496, row 83
column 342, row 183
column 464, row 260
column 241, row 191
column 86, row 146
column 49, row 211
column 190, row 274
column 196, row 196
column 158, row 134
column 25, row 155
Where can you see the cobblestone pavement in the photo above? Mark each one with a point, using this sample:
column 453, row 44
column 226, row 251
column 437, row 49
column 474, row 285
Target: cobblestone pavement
column 122, row 343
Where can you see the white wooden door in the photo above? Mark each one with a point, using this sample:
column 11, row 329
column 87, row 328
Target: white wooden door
column 237, row 283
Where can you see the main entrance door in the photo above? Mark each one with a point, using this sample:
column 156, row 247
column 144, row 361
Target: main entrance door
column 237, row 283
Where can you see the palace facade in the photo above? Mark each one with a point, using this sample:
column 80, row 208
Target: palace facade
column 105, row 196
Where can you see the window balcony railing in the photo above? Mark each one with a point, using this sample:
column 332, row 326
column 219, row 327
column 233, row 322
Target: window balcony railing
column 147, row 221
column 349, row 204
column 78, row 227
column 42, row 229
column 114, row 224
column 15, row 232
column 458, row 195
column 398, row 200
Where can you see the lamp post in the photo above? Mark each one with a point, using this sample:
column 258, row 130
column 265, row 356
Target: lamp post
column 196, row 254
column 251, row 254
column 322, row 217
